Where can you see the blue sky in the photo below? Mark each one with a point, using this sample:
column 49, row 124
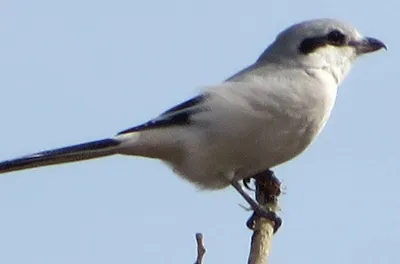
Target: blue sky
column 74, row 71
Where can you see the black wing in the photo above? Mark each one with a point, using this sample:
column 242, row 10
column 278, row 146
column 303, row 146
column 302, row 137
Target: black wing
column 176, row 116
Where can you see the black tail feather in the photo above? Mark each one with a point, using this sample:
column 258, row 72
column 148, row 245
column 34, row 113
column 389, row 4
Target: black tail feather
column 89, row 150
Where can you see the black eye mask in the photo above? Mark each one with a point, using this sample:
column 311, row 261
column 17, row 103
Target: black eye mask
column 334, row 38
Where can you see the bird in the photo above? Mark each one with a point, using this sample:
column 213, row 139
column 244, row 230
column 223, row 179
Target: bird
column 264, row 115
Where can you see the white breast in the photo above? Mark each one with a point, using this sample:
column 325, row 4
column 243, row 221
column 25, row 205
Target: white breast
column 254, row 127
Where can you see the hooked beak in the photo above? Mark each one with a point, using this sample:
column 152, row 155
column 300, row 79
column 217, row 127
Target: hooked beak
column 368, row 45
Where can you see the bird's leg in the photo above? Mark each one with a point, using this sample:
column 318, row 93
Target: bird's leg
column 268, row 189
column 260, row 211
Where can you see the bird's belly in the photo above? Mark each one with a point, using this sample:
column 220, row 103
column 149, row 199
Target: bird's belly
column 244, row 155
column 289, row 143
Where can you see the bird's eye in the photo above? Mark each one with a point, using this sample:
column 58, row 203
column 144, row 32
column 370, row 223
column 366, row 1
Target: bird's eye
column 336, row 38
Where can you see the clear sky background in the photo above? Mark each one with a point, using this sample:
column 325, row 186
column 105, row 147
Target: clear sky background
column 73, row 71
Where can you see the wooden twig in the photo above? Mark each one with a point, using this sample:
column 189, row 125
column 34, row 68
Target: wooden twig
column 268, row 188
column 201, row 250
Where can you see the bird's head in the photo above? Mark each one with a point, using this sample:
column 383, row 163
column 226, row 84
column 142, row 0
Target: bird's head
column 323, row 43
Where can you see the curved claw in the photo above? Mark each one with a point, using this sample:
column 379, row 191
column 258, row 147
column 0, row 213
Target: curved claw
column 246, row 183
column 272, row 216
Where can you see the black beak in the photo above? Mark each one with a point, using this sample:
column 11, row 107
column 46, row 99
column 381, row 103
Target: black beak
column 368, row 45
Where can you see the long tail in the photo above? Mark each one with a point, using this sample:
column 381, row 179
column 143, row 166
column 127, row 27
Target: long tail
column 90, row 150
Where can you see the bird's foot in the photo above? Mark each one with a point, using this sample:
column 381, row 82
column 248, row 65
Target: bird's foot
column 259, row 211
column 268, row 188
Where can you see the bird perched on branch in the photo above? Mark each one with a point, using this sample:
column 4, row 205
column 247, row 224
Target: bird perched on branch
column 263, row 116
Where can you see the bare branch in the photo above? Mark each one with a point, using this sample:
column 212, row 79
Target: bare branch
column 201, row 250
column 268, row 189
column 261, row 241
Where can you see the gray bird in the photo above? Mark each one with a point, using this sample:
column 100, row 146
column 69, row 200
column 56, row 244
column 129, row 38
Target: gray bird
column 263, row 116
